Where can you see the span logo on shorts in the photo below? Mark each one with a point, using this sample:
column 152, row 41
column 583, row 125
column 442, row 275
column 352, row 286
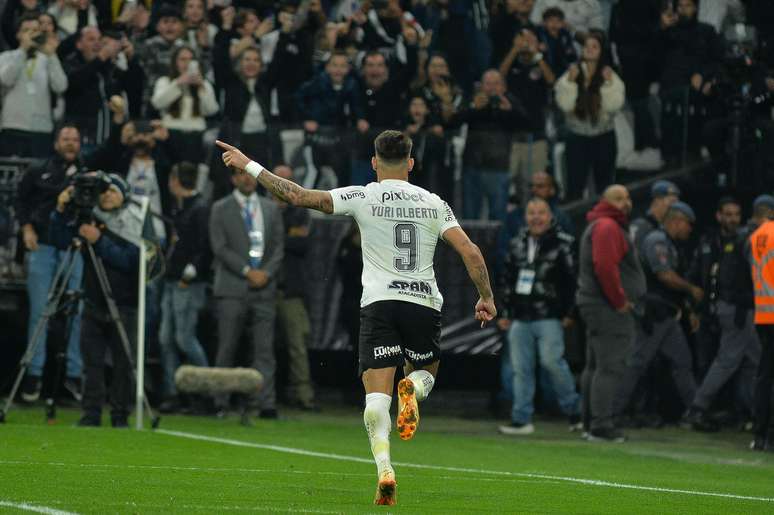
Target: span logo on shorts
column 386, row 352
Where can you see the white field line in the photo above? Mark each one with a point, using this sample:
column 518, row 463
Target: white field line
column 33, row 508
column 340, row 457
column 240, row 470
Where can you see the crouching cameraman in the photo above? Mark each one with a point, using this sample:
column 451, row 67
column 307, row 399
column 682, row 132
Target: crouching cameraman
column 94, row 211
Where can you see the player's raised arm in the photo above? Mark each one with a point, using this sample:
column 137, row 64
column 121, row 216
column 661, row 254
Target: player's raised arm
column 287, row 190
column 474, row 262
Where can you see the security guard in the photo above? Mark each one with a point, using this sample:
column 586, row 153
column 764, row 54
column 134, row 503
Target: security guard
column 663, row 194
column 660, row 331
column 727, row 313
column 762, row 252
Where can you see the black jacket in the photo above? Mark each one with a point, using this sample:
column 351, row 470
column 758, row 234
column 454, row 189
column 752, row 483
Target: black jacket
column 688, row 48
column 191, row 242
column 120, row 258
column 553, row 290
column 490, row 130
column 293, row 282
column 40, row 186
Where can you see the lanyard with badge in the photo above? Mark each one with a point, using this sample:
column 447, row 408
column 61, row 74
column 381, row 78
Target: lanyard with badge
column 255, row 235
column 30, row 71
column 526, row 279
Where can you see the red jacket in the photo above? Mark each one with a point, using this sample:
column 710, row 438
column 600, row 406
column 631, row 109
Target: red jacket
column 609, row 246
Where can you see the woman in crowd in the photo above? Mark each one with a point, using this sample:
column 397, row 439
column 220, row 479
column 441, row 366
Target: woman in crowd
column 199, row 32
column 439, row 89
column 184, row 98
column 590, row 95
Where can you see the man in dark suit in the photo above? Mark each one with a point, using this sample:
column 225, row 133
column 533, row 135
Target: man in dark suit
column 247, row 234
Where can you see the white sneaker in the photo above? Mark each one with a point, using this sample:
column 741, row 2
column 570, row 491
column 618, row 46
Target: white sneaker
column 517, row 429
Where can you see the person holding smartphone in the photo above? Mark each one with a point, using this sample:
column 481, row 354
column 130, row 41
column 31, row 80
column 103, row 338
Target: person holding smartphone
column 184, row 98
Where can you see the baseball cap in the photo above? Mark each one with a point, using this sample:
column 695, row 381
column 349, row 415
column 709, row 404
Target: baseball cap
column 685, row 209
column 764, row 200
column 663, row 188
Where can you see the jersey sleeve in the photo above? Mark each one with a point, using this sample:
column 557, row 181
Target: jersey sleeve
column 347, row 200
column 448, row 220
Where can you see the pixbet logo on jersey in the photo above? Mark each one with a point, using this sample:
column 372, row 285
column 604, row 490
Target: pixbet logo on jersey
column 402, row 195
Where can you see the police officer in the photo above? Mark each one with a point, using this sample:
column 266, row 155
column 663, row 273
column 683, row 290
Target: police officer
column 761, row 251
column 660, row 331
column 663, row 194
column 723, row 271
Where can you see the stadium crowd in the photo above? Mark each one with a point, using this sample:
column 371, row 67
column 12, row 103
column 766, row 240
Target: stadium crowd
column 520, row 97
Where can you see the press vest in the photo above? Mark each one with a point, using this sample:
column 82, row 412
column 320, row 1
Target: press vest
column 762, row 251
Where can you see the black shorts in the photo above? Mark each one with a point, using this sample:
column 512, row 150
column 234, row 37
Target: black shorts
column 392, row 331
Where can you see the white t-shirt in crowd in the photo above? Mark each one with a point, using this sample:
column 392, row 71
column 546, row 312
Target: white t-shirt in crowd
column 400, row 225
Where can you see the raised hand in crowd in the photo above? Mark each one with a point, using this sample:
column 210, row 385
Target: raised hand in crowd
column 117, row 106
column 109, row 50
column 607, row 73
column 266, row 26
column 51, row 44
column 573, row 72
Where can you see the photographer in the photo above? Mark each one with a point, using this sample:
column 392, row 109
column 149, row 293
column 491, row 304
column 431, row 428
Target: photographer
column 491, row 119
column 28, row 76
column 109, row 232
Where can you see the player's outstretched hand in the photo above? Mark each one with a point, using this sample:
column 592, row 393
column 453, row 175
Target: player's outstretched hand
column 485, row 311
column 233, row 156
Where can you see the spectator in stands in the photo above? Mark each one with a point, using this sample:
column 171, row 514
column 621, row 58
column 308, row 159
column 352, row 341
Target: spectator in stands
column 292, row 317
column 507, row 24
column 590, row 94
column 692, row 53
column 556, row 41
column 240, row 30
column 185, row 280
column 49, row 26
column 288, row 51
column 73, row 15
column 155, row 53
column 245, row 113
column 427, row 133
column 539, row 297
column 491, row 120
column 184, row 98
column 662, row 194
column 439, row 89
column 668, row 290
column 248, row 256
column 542, row 186
column 388, row 29
column 28, row 76
column 581, row 15
column 117, row 223
column 198, row 32
column 611, row 283
column 383, row 91
column 329, row 103
column 529, row 80
column 722, row 269
column 12, row 13
column 93, row 78
column 634, row 30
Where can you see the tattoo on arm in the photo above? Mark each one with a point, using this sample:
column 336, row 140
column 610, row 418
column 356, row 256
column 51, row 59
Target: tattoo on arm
column 294, row 194
column 476, row 266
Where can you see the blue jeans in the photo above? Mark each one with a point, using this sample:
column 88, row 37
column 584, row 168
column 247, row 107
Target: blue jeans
column 179, row 316
column 478, row 183
column 41, row 268
column 533, row 344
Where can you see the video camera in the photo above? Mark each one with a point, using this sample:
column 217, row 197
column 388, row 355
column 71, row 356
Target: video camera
column 87, row 189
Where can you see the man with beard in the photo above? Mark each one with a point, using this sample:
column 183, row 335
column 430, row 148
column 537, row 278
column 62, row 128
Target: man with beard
column 722, row 268
column 36, row 199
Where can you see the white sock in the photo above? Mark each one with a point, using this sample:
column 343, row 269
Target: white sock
column 378, row 425
column 423, row 383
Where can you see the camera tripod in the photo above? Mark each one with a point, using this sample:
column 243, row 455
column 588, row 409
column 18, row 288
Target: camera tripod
column 54, row 304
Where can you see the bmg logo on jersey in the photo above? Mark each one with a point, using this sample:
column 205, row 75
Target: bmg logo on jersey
column 385, row 352
column 402, row 195
column 352, row 194
column 416, row 286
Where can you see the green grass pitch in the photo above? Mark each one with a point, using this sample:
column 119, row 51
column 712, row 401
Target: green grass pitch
column 321, row 463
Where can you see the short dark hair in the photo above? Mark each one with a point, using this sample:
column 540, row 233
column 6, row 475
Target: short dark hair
column 241, row 17
column 339, row 53
column 66, row 125
column 187, row 174
column 28, row 16
column 392, row 146
column 553, row 12
column 727, row 199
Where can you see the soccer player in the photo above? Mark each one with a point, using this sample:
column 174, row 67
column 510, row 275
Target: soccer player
column 400, row 316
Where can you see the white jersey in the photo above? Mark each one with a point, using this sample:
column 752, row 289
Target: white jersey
column 400, row 225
